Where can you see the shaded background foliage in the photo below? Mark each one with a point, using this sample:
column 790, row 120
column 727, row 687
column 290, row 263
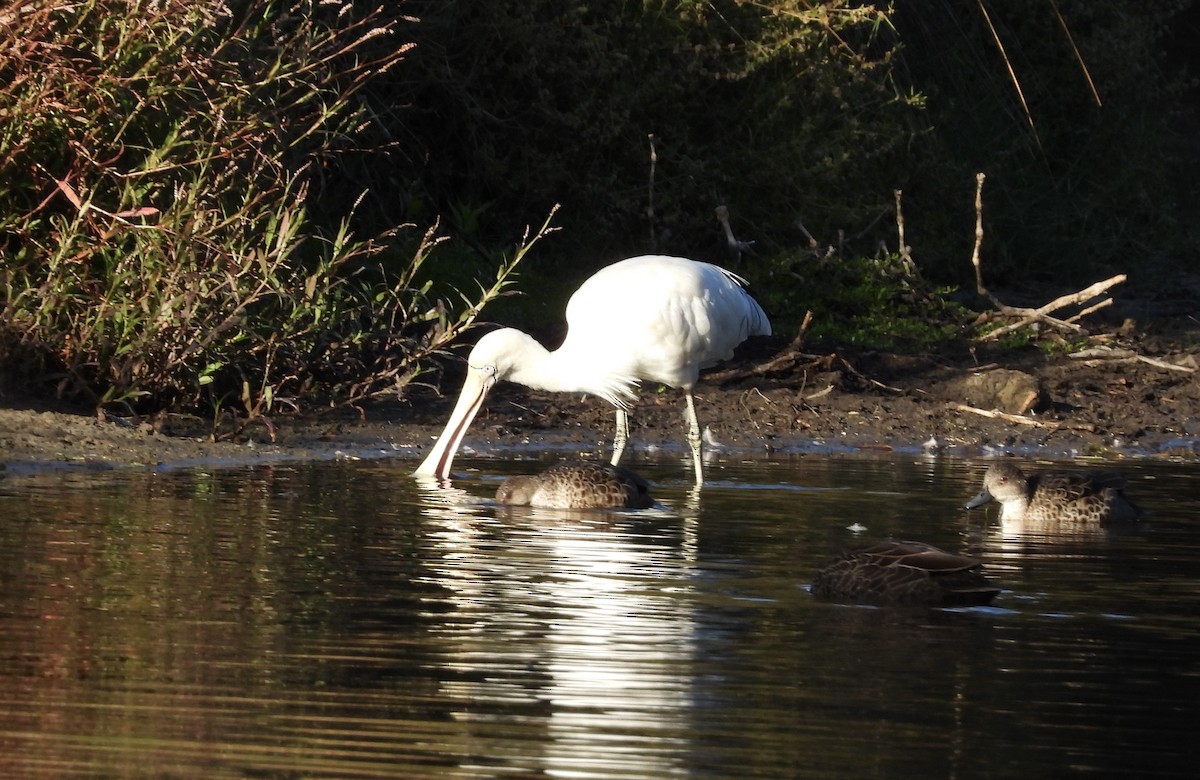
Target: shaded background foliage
column 315, row 121
column 1091, row 174
column 808, row 115
column 776, row 111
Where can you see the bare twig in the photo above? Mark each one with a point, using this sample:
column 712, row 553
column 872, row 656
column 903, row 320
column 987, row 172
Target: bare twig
column 1085, row 294
column 979, row 177
column 1078, row 57
column 998, row 332
column 868, row 379
column 1026, row 316
column 1090, row 309
column 808, row 317
column 750, row 416
column 820, row 393
column 1021, row 419
column 1101, row 355
column 905, row 255
column 998, row 415
column 786, row 359
column 1042, row 313
column 812, row 242
column 1012, row 74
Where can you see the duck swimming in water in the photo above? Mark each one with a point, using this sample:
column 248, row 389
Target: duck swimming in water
column 578, row 485
column 1086, row 498
column 904, row 573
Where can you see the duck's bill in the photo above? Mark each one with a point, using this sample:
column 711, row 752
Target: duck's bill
column 979, row 500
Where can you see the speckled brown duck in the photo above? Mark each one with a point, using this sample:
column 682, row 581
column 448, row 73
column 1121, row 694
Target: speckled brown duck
column 904, row 573
column 1087, row 498
column 578, row 485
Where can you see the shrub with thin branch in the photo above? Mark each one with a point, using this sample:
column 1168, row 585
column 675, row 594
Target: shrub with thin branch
column 158, row 165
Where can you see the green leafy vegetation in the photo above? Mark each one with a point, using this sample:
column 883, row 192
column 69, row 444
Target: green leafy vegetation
column 263, row 206
column 158, row 163
column 880, row 302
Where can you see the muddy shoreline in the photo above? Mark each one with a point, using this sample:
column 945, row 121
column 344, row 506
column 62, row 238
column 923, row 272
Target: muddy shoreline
column 1130, row 396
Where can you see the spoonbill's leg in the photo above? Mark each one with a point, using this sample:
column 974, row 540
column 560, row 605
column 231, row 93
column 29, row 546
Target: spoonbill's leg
column 621, row 436
column 693, row 436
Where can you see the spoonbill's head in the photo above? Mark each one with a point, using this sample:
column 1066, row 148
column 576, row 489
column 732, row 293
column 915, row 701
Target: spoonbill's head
column 498, row 355
column 503, row 354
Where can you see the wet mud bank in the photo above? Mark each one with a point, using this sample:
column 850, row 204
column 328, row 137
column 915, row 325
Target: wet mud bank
column 1129, row 399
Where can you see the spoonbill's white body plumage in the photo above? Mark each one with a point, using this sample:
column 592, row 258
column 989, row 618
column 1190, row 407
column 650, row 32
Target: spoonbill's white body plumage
column 652, row 318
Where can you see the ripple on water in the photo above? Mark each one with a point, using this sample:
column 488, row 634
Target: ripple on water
column 338, row 619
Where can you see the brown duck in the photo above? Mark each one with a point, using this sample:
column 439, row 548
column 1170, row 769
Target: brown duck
column 578, row 485
column 1094, row 497
column 904, row 573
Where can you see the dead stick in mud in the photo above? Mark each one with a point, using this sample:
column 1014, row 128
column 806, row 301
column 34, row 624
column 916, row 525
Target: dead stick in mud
column 786, row 358
column 979, row 288
column 909, row 266
column 998, row 415
column 1019, row 418
column 871, row 381
column 1093, row 308
column 1164, row 364
column 1041, row 314
column 1028, row 319
column 750, row 416
column 1106, row 355
column 819, row 393
column 1086, row 294
column 799, row 340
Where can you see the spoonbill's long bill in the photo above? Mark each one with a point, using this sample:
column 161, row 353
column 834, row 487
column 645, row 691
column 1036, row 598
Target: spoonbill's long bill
column 651, row 318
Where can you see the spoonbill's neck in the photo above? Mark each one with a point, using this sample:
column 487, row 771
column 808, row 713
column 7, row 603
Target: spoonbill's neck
column 571, row 370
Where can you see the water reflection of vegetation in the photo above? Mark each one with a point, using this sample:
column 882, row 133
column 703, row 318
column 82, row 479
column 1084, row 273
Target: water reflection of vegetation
column 332, row 617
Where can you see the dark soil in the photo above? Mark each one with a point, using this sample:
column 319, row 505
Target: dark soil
column 1140, row 398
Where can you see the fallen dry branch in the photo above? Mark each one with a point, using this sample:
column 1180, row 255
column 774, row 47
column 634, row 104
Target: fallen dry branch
column 1106, row 355
column 789, row 361
column 1041, row 314
column 792, row 358
column 786, row 360
column 867, row 379
column 1021, row 419
column 820, row 393
column 1094, row 307
column 1025, row 316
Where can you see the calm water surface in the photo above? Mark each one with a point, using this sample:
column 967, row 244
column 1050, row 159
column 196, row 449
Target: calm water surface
column 339, row 620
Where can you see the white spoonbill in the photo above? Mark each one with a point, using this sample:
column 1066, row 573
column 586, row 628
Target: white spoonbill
column 651, row 318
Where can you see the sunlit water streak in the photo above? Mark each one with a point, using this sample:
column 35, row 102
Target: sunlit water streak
column 341, row 620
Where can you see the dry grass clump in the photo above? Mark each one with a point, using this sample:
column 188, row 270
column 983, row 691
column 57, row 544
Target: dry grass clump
column 158, row 163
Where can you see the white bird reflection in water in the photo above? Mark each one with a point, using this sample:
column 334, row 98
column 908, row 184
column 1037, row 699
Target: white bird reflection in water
column 575, row 625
